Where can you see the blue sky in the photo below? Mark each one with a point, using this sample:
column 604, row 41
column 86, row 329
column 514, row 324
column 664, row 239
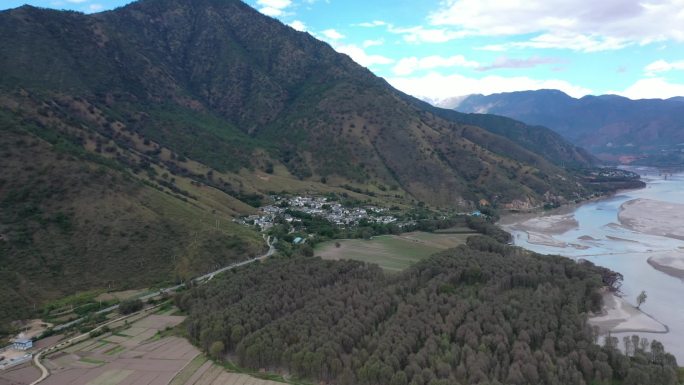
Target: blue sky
column 440, row 49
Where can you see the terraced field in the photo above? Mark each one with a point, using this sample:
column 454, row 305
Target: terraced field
column 204, row 372
column 139, row 355
column 134, row 356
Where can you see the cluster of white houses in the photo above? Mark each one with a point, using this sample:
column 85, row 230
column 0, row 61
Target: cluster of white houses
column 332, row 211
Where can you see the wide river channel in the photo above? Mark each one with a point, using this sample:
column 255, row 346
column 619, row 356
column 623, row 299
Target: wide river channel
column 593, row 231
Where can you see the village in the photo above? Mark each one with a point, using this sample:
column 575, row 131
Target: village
column 21, row 348
column 323, row 207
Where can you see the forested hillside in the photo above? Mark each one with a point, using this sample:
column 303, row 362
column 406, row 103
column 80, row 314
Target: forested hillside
column 649, row 130
column 537, row 139
column 217, row 82
column 73, row 221
column 502, row 316
column 131, row 139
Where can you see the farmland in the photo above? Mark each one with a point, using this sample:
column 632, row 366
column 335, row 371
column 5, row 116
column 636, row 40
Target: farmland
column 202, row 371
column 20, row 375
column 131, row 356
column 137, row 352
column 391, row 252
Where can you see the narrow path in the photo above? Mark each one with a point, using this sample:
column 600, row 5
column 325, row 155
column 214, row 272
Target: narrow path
column 44, row 372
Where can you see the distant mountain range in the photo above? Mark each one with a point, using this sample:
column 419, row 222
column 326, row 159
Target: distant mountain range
column 648, row 131
column 131, row 138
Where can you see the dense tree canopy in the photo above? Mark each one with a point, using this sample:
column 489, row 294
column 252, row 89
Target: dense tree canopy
column 465, row 316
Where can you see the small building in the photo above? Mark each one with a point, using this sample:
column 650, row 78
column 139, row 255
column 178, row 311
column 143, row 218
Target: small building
column 298, row 240
column 22, row 344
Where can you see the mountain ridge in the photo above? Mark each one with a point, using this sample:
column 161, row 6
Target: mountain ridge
column 268, row 105
column 610, row 126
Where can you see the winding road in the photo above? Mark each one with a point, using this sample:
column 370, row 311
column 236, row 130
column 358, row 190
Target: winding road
column 201, row 279
column 45, row 373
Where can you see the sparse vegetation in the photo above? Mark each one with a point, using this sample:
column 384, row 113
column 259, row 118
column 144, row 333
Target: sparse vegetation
column 641, row 299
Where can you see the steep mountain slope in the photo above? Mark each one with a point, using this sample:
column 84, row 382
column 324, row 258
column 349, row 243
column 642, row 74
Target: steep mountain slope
column 70, row 222
column 131, row 138
column 537, row 139
column 608, row 125
column 157, row 67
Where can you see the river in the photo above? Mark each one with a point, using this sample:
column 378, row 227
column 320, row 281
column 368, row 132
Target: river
column 593, row 231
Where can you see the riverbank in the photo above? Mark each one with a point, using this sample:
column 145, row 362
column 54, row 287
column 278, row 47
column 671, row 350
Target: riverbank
column 619, row 316
column 650, row 260
column 653, row 217
column 540, row 230
column 671, row 264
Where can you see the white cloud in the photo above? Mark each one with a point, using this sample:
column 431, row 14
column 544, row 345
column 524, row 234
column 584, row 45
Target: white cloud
column 663, row 66
column 581, row 25
column 372, row 24
column 436, row 87
column 421, row 34
column 95, row 7
column 409, row 65
column 332, row 34
column 280, row 4
column 77, row 1
column 360, row 56
column 577, row 42
column 564, row 40
column 298, row 25
column 652, row 88
column 273, row 8
column 373, row 43
column 507, row 62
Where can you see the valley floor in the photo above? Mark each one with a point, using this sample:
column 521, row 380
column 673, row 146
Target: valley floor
column 138, row 354
column 391, row 252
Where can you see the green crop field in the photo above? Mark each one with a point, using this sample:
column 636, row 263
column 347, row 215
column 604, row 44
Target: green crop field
column 391, row 252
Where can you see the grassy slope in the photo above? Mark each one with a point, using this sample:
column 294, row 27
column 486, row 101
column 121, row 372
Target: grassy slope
column 71, row 224
column 390, row 252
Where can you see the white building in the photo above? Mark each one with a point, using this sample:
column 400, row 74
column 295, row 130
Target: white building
column 22, row 343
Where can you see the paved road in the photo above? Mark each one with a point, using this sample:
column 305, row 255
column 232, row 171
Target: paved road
column 201, row 279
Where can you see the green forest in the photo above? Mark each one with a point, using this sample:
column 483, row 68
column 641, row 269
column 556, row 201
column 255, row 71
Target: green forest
column 485, row 313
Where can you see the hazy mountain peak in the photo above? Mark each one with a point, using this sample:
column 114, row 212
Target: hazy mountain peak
column 610, row 125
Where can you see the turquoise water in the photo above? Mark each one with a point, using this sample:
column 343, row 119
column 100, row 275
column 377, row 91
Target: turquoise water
column 628, row 254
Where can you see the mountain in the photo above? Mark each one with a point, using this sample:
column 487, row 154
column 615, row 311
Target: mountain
column 537, row 139
column 609, row 126
column 131, row 139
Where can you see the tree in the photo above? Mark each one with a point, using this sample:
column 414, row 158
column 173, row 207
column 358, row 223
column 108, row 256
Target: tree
column 130, row 306
column 216, row 350
column 641, row 299
column 463, row 316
